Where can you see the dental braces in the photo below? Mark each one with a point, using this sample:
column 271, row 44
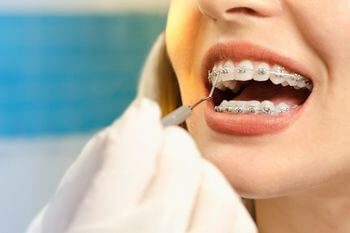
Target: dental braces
column 266, row 110
column 212, row 75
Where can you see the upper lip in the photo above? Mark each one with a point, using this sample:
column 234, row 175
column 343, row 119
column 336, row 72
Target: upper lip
column 240, row 50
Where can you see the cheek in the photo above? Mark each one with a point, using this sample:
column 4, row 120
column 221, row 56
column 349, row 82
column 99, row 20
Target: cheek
column 325, row 27
column 330, row 35
column 181, row 32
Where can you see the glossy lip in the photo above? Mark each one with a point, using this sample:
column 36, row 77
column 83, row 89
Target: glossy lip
column 246, row 124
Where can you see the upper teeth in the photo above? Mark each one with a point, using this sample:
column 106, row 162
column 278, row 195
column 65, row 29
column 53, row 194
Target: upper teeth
column 228, row 74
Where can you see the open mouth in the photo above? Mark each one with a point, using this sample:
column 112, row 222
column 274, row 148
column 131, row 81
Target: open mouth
column 257, row 88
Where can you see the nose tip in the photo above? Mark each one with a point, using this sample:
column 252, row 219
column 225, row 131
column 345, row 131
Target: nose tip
column 228, row 9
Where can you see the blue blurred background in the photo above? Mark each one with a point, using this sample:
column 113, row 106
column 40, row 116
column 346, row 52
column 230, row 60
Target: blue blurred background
column 65, row 72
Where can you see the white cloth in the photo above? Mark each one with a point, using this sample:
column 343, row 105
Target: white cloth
column 157, row 70
column 137, row 177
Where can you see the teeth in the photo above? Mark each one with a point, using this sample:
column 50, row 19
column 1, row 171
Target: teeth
column 308, row 85
column 217, row 70
column 277, row 75
column 285, row 83
column 267, row 107
column 239, row 106
column 221, row 86
column 228, row 76
column 292, row 80
column 245, row 71
column 282, row 108
column 253, row 107
column 301, row 84
column 229, row 70
column 233, row 85
column 262, row 72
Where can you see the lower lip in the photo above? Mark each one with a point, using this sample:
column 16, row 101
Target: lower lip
column 249, row 124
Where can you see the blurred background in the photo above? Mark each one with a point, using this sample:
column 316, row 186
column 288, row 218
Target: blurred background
column 67, row 69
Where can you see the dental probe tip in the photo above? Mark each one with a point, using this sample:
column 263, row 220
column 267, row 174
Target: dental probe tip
column 209, row 96
column 199, row 102
column 213, row 87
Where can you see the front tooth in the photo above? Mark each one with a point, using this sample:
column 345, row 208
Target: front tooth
column 253, row 107
column 276, row 77
column 262, row 72
column 237, row 106
column 244, row 71
column 229, row 69
column 267, row 107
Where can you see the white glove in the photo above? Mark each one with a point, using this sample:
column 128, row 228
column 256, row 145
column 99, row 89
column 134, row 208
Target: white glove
column 136, row 177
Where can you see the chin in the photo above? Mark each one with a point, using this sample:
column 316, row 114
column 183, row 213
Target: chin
column 255, row 170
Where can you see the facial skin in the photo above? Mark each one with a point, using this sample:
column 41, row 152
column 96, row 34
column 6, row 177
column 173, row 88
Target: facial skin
column 310, row 157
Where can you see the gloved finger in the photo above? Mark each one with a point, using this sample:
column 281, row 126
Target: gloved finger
column 175, row 187
column 112, row 171
column 61, row 208
column 129, row 164
column 218, row 207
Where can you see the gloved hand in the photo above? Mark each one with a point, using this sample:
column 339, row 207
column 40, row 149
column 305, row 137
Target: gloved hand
column 137, row 177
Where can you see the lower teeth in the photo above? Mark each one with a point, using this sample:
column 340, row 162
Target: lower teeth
column 253, row 107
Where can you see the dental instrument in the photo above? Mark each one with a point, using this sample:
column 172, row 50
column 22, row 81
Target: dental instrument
column 180, row 114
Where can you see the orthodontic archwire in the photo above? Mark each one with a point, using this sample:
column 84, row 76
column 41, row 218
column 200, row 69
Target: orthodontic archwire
column 179, row 115
column 280, row 73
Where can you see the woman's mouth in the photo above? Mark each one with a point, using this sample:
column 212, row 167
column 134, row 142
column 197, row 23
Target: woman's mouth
column 257, row 92
column 256, row 88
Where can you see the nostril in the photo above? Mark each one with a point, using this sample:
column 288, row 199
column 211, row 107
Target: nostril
column 243, row 10
column 233, row 10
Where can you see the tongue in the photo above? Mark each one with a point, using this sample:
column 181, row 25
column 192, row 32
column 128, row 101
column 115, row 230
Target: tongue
column 276, row 93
